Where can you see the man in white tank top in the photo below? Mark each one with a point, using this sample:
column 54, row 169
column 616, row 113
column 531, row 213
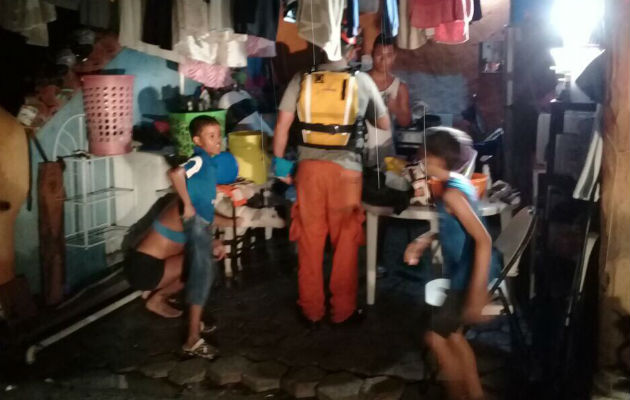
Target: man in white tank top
column 395, row 95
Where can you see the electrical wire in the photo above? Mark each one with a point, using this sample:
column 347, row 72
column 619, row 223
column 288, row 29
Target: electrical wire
column 312, row 33
column 424, row 146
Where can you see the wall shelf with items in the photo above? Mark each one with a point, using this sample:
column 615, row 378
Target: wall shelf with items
column 162, row 192
column 98, row 196
column 89, row 208
column 95, row 236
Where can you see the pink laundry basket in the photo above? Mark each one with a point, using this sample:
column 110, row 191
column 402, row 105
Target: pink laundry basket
column 108, row 103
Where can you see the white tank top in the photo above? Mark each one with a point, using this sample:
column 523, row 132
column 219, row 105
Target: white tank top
column 378, row 138
column 391, row 91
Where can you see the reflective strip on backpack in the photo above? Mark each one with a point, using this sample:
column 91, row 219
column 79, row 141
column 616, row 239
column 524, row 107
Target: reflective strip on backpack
column 349, row 99
column 307, row 98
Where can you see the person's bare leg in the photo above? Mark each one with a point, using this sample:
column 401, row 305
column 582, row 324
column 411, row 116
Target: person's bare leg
column 448, row 363
column 194, row 325
column 169, row 285
column 465, row 354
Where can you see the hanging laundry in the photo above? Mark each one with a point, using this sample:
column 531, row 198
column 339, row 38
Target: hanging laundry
column 390, row 21
column 587, row 187
column 592, row 81
column 368, row 6
column 213, row 76
column 456, row 32
column 477, row 15
column 256, row 78
column 96, row 13
column 432, row 13
column 28, row 18
column 190, row 18
column 242, row 113
column 67, row 4
column 260, row 47
column 131, row 14
column 157, row 24
column 220, row 14
column 290, row 10
column 409, row 37
column 257, row 17
column 193, row 38
column 319, row 23
column 352, row 18
column 215, row 47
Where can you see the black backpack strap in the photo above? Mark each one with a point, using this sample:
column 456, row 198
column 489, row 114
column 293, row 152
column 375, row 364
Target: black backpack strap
column 332, row 129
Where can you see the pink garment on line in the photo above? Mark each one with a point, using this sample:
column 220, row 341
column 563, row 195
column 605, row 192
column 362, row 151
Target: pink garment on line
column 213, row 76
column 260, row 47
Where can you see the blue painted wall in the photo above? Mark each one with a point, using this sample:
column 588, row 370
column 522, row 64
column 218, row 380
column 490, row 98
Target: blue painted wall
column 156, row 85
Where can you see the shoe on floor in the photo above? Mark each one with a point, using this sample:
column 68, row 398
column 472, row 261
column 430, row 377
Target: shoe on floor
column 201, row 349
column 357, row 317
column 207, row 328
column 305, row 322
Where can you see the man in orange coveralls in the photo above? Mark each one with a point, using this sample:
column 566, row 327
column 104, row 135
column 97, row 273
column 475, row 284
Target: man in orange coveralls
column 328, row 179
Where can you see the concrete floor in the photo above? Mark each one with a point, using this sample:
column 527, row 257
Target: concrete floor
column 256, row 317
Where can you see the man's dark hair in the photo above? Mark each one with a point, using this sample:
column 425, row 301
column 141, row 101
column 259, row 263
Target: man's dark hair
column 383, row 40
column 198, row 123
column 443, row 144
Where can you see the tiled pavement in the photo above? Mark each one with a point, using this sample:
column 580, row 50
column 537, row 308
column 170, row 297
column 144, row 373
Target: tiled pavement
column 265, row 351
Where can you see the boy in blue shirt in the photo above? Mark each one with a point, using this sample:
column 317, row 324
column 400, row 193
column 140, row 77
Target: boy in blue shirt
column 195, row 182
column 468, row 261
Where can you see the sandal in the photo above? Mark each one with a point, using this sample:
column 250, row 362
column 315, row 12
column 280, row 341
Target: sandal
column 201, row 349
column 207, row 329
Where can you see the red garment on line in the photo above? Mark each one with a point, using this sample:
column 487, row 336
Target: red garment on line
column 449, row 18
column 432, row 13
column 456, row 32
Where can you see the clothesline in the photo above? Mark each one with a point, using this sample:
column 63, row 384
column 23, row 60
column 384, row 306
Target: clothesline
column 208, row 37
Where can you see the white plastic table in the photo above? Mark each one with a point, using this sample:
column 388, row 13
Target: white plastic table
column 423, row 213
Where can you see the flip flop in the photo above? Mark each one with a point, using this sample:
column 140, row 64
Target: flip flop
column 201, row 349
column 206, row 329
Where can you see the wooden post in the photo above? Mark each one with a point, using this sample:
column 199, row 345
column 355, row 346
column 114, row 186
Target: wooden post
column 13, row 188
column 614, row 341
column 52, row 244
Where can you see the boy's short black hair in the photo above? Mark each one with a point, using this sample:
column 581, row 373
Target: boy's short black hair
column 383, row 40
column 446, row 143
column 198, row 123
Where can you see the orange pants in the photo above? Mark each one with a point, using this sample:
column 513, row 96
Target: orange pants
column 328, row 203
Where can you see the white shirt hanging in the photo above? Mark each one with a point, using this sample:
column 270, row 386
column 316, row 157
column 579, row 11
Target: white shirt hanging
column 198, row 36
column 319, row 22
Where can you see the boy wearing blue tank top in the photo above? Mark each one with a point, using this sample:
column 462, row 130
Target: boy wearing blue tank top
column 468, row 262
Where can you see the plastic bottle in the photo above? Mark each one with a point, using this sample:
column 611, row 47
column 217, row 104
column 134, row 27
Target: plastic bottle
column 485, row 169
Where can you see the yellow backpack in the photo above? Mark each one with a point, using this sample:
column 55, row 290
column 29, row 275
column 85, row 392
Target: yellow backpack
column 328, row 108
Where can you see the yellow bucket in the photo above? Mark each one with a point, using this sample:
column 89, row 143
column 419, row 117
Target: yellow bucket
column 247, row 148
column 395, row 164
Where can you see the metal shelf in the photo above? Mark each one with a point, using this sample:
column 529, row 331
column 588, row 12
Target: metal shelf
column 98, row 196
column 85, row 157
column 165, row 191
column 91, row 192
column 95, row 236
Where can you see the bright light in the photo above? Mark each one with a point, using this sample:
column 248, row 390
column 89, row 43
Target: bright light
column 575, row 20
column 573, row 60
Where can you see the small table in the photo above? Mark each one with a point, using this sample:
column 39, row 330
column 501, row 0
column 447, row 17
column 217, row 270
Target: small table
column 423, row 213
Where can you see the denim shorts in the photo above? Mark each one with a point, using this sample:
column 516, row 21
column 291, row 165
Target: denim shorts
column 201, row 266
